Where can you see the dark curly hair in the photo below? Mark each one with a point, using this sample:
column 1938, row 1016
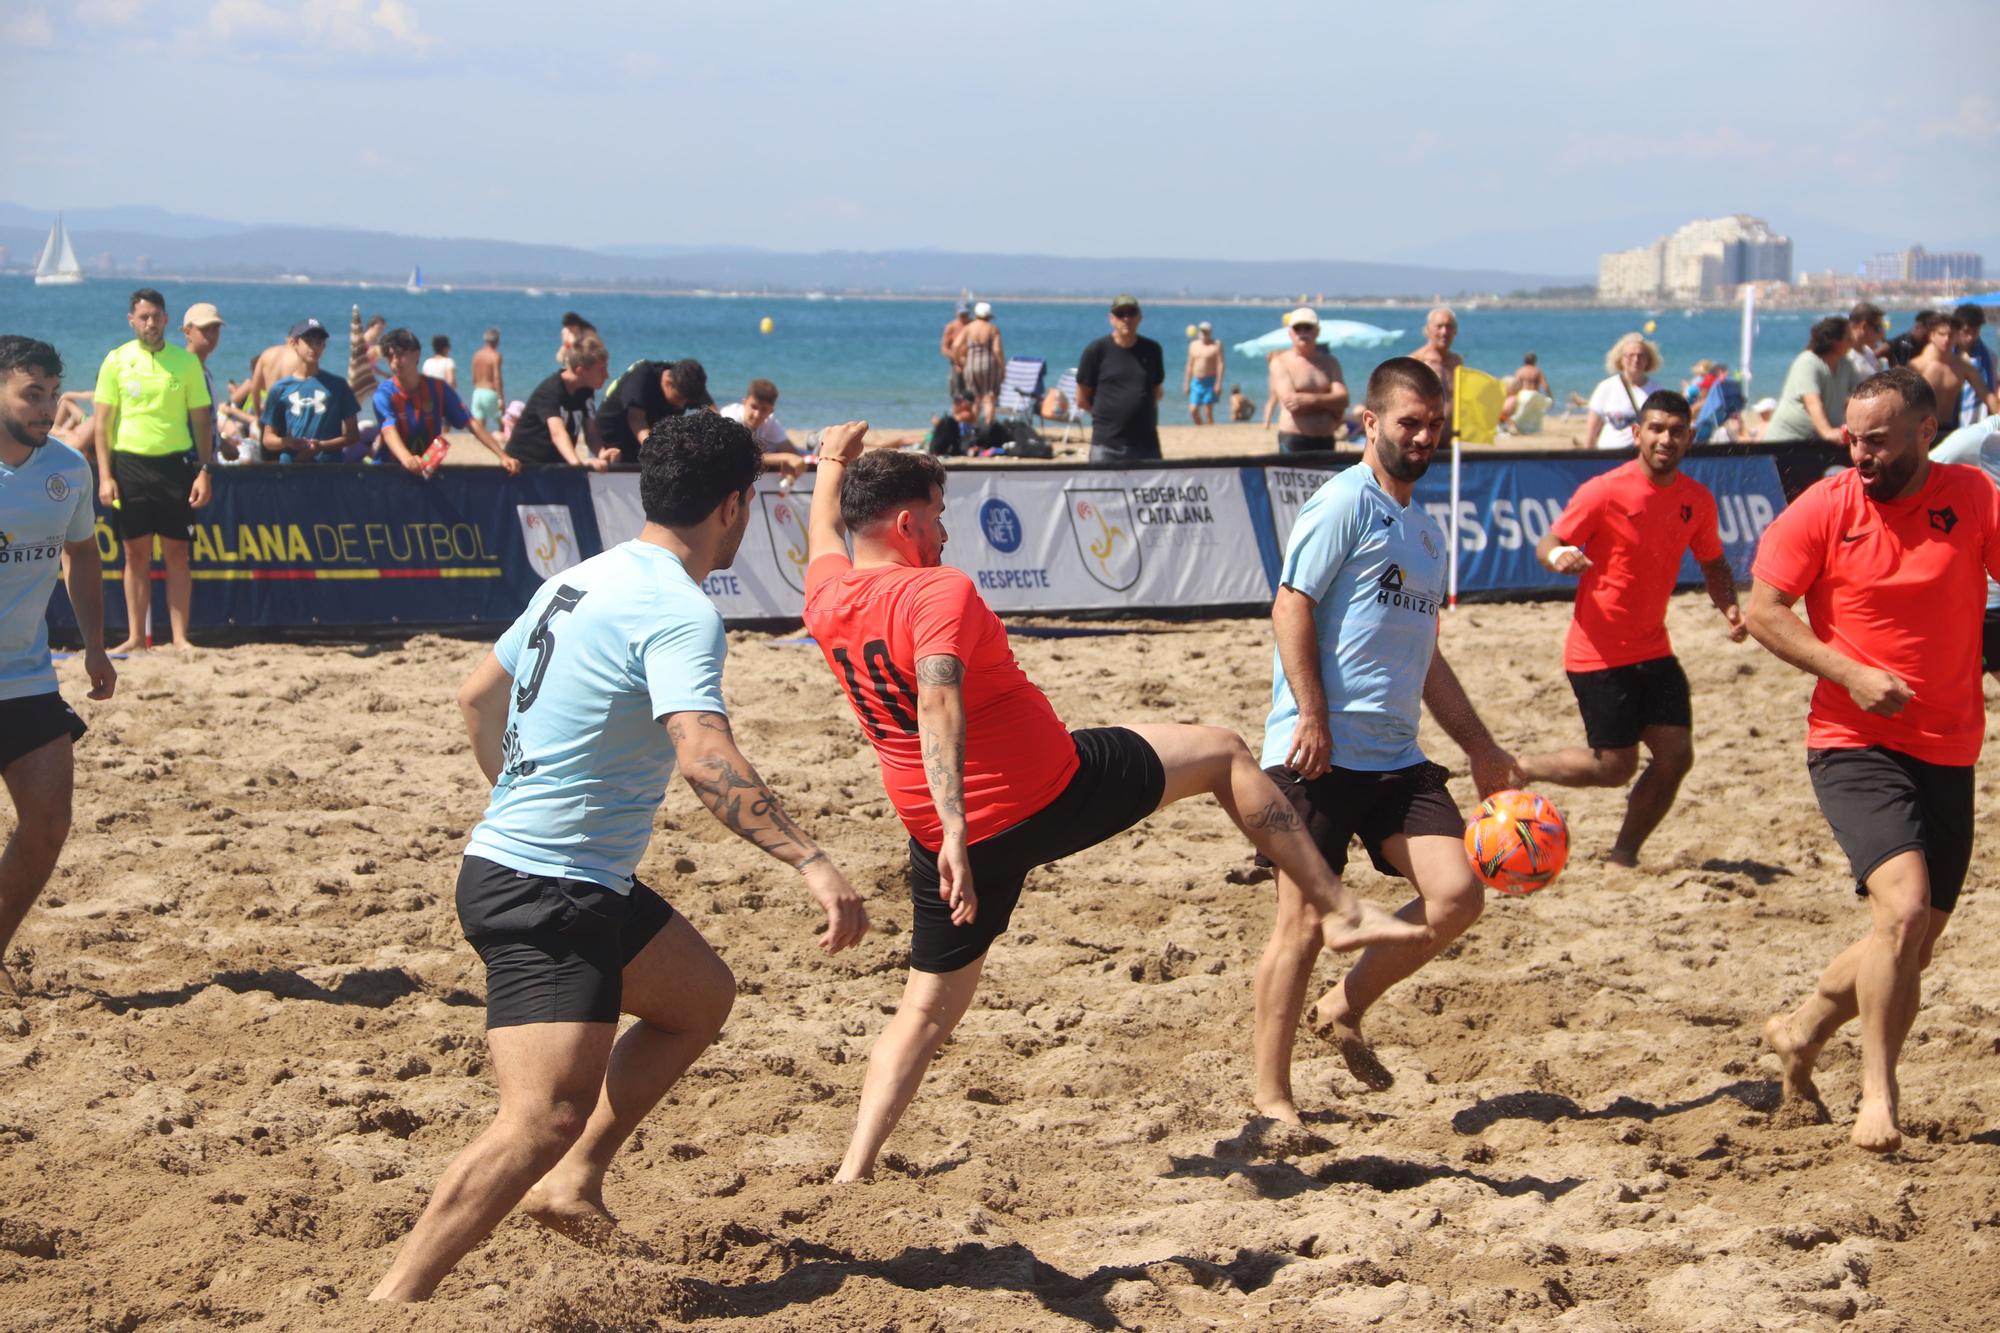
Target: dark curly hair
column 688, row 465
column 882, row 480
column 19, row 353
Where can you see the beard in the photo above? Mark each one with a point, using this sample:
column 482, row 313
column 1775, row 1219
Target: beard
column 1889, row 479
column 1401, row 466
column 22, row 435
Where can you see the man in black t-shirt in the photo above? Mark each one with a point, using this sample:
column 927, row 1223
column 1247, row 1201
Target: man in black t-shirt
column 1119, row 381
column 647, row 391
column 557, row 417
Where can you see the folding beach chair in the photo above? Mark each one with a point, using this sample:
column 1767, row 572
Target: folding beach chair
column 1021, row 387
column 1075, row 416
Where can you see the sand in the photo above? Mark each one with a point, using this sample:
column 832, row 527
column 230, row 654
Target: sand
column 253, row 1039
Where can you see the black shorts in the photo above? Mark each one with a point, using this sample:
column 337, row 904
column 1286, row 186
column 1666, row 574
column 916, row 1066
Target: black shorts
column 1880, row 802
column 1118, row 782
column 1619, row 703
column 27, row 724
column 153, row 496
column 1343, row 802
column 1290, row 442
column 555, row 949
column 1989, row 641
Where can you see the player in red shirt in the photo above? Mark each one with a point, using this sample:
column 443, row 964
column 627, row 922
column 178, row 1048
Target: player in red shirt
column 985, row 776
column 1891, row 559
column 1625, row 532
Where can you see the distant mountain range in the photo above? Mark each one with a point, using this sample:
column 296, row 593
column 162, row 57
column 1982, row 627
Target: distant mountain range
column 182, row 244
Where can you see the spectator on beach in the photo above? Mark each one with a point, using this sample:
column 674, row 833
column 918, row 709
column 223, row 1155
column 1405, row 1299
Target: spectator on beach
column 1949, row 373
column 1867, row 327
column 311, row 417
column 489, row 383
column 982, row 358
column 557, row 421
column 948, row 347
column 1240, row 407
column 757, row 410
column 1203, row 376
column 274, row 363
column 1440, row 331
column 1812, row 405
column 646, row 392
column 1119, row 381
column 952, row 435
column 1309, row 386
column 439, row 365
column 1966, row 322
column 416, row 409
column 1614, row 403
column 1530, row 378
column 201, row 330
column 152, row 409
column 364, row 349
column 574, row 326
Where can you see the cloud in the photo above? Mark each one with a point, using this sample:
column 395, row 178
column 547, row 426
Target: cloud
column 340, row 25
column 27, row 28
column 1975, row 120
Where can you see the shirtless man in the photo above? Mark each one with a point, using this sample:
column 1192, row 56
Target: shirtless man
column 1440, row 329
column 1946, row 371
column 1529, row 376
column 1309, row 387
column 489, row 386
column 274, row 363
column 948, row 347
column 1204, row 375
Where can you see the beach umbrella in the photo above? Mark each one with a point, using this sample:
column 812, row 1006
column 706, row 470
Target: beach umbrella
column 1337, row 335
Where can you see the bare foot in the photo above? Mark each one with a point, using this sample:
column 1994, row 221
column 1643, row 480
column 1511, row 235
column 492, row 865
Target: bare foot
column 1875, row 1125
column 585, row 1221
column 1281, row 1110
column 128, row 647
column 1618, row 856
column 1345, row 1037
column 856, row 1178
column 1795, row 1059
column 184, row 646
column 1369, row 924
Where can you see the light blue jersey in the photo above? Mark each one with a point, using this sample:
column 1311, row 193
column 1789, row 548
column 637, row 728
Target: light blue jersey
column 1376, row 573
column 1979, row 445
column 43, row 503
column 605, row 650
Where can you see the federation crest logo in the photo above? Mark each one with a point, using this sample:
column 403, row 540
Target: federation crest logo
column 1001, row 525
column 1106, row 537
column 786, row 523
column 1944, row 520
column 57, row 487
column 1430, row 545
column 549, row 534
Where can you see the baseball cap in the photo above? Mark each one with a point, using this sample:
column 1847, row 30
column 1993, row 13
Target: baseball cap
column 982, row 311
column 305, row 326
column 201, row 315
column 1126, row 302
column 965, row 307
column 1765, row 406
column 1305, row 314
column 1206, row 327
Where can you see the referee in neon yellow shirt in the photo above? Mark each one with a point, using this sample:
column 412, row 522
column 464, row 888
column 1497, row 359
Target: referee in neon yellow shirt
column 154, row 447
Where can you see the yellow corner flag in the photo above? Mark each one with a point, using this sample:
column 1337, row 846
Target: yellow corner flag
column 1476, row 402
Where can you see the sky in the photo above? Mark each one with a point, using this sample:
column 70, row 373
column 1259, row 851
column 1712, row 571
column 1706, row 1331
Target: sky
column 1431, row 132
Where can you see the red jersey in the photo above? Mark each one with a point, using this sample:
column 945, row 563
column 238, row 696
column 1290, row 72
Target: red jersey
column 1634, row 534
column 874, row 625
column 1899, row 586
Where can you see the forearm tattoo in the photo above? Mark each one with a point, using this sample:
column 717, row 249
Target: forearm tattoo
column 737, row 796
column 944, row 769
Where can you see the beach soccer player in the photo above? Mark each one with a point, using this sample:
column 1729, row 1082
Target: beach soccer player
column 1356, row 620
column 579, row 716
column 1624, row 532
column 1892, row 560
column 46, row 516
column 985, row 776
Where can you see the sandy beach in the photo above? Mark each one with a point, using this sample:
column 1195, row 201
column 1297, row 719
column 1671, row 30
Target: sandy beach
column 253, row 1038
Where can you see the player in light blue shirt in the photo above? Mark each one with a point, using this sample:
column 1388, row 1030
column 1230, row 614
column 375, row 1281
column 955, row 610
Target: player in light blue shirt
column 1979, row 445
column 1356, row 618
column 45, row 515
column 579, row 716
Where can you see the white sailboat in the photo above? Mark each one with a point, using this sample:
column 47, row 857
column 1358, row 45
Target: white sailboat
column 415, row 286
column 57, row 266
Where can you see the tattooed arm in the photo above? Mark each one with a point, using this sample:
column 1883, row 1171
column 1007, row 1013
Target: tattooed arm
column 705, row 748
column 1492, row 767
column 941, row 729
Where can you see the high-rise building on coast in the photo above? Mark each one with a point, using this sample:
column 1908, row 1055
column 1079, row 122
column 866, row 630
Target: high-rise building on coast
column 1917, row 264
column 1702, row 261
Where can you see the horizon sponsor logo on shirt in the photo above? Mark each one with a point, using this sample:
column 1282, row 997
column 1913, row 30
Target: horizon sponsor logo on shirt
column 13, row 552
column 1390, row 592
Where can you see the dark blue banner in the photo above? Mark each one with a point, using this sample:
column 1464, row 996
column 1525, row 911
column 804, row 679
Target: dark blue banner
column 341, row 547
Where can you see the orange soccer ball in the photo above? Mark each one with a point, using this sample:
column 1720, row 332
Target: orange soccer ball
column 1517, row 842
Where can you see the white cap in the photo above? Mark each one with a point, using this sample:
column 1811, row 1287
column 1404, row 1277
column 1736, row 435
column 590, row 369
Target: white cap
column 982, row 311
column 1765, row 406
column 1305, row 314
